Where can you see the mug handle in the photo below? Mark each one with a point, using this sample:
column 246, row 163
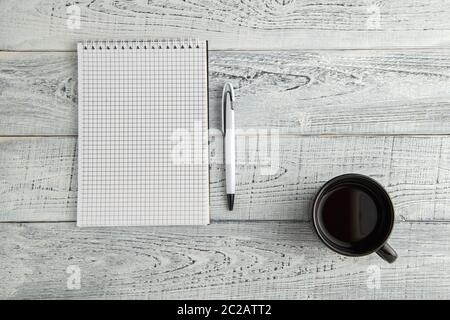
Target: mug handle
column 387, row 253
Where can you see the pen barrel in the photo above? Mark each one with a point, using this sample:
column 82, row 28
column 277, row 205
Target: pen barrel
column 230, row 181
column 230, row 154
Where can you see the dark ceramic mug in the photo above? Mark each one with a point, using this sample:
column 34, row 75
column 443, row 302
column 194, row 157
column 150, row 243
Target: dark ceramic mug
column 354, row 216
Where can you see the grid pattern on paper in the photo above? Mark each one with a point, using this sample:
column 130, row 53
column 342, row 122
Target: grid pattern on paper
column 143, row 141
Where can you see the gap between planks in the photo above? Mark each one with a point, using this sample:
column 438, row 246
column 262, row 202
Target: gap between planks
column 228, row 221
column 281, row 134
column 268, row 50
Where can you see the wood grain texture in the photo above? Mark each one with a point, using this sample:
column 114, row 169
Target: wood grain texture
column 39, row 175
column 341, row 92
column 263, row 24
column 265, row 260
column 370, row 96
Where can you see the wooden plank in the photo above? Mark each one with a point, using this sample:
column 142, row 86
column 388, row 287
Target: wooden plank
column 310, row 24
column 39, row 175
column 341, row 92
column 265, row 260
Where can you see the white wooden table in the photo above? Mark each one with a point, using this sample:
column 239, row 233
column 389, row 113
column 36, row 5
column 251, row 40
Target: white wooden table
column 351, row 85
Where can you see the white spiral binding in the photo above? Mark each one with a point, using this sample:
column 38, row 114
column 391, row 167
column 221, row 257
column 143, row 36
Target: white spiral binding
column 141, row 44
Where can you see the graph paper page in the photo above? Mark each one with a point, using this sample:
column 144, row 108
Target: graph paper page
column 143, row 140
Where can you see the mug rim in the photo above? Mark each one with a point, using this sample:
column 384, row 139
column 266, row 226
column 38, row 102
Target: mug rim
column 336, row 181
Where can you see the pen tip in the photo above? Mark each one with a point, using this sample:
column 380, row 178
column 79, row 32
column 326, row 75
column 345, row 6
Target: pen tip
column 230, row 198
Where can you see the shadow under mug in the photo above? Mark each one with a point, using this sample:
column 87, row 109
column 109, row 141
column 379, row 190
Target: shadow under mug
column 381, row 216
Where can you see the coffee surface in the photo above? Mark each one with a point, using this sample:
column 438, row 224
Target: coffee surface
column 349, row 214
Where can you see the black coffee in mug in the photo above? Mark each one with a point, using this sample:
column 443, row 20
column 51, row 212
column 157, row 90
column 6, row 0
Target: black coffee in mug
column 353, row 215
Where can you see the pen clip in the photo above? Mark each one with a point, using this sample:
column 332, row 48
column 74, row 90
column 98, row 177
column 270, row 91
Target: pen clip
column 227, row 91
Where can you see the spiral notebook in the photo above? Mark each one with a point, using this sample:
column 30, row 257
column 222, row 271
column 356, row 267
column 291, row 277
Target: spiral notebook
column 143, row 133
